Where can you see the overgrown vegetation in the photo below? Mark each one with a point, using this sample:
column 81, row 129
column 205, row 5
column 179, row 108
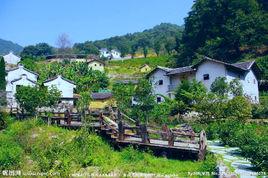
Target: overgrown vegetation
column 31, row 98
column 85, row 78
column 31, row 145
column 250, row 138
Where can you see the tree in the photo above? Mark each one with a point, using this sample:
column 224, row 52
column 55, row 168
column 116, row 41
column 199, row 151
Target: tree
column 170, row 45
column 224, row 29
column 220, row 86
column 64, row 43
column 145, row 100
column 83, row 103
column 134, row 48
column 31, row 98
column 2, row 74
column 238, row 108
column 85, row 48
column 236, row 88
column 157, row 47
column 190, row 92
column 144, row 43
column 38, row 50
column 123, row 94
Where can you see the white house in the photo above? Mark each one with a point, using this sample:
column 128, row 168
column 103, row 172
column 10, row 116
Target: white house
column 18, row 76
column 11, row 58
column 96, row 64
column 104, row 52
column 165, row 80
column 65, row 86
column 113, row 54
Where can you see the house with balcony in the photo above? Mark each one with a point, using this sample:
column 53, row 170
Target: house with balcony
column 166, row 80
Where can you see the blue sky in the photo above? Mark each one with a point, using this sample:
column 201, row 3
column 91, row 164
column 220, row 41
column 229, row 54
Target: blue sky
column 32, row 21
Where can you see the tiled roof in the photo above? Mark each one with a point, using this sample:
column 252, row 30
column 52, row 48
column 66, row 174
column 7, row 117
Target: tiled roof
column 244, row 65
column 15, row 80
column 16, row 68
column 181, row 70
column 100, row 96
column 98, row 60
column 54, row 78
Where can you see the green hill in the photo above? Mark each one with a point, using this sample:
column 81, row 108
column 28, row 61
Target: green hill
column 161, row 39
column 7, row 46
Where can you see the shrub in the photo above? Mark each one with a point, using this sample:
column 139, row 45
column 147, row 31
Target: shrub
column 239, row 108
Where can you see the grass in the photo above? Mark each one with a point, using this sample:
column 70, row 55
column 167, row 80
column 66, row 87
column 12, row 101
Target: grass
column 132, row 66
column 39, row 147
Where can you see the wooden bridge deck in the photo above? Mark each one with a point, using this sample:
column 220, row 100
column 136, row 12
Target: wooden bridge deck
column 122, row 134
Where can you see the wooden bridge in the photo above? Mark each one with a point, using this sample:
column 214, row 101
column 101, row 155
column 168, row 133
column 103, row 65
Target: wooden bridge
column 123, row 131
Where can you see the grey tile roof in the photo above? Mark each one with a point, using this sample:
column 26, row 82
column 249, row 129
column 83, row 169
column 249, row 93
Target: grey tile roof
column 181, row 70
column 15, row 80
column 244, row 65
column 100, row 96
column 16, row 68
column 54, row 78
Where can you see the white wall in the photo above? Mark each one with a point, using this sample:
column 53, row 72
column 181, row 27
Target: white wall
column 154, row 79
column 16, row 74
column 250, row 86
column 115, row 54
column 11, row 99
column 11, row 87
column 66, row 88
column 11, row 58
column 213, row 69
column 95, row 65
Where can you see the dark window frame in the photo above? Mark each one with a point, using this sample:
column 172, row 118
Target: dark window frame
column 206, row 77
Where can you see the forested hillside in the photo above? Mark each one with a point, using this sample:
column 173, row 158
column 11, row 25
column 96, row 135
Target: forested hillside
column 226, row 30
column 7, row 46
column 162, row 38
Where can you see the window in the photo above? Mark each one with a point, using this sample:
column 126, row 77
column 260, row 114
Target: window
column 95, row 64
column 255, row 98
column 160, row 82
column 100, row 64
column 206, row 76
column 254, row 81
column 158, row 99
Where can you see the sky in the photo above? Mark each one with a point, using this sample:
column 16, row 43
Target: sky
column 28, row 22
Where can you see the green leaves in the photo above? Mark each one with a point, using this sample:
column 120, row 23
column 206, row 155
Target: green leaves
column 2, row 74
column 224, row 29
column 30, row 98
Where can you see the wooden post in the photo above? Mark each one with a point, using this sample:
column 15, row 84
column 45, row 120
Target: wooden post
column 165, row 131
column 101, row 120
column 144, row 134
column 202, row 145
column 119, row 116
column 171, row 138
column 137, row 123
column 121, row 131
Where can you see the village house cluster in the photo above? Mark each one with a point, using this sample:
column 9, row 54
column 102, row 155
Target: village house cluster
column 110, row 54
column 18, row 75
column 164, row 80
